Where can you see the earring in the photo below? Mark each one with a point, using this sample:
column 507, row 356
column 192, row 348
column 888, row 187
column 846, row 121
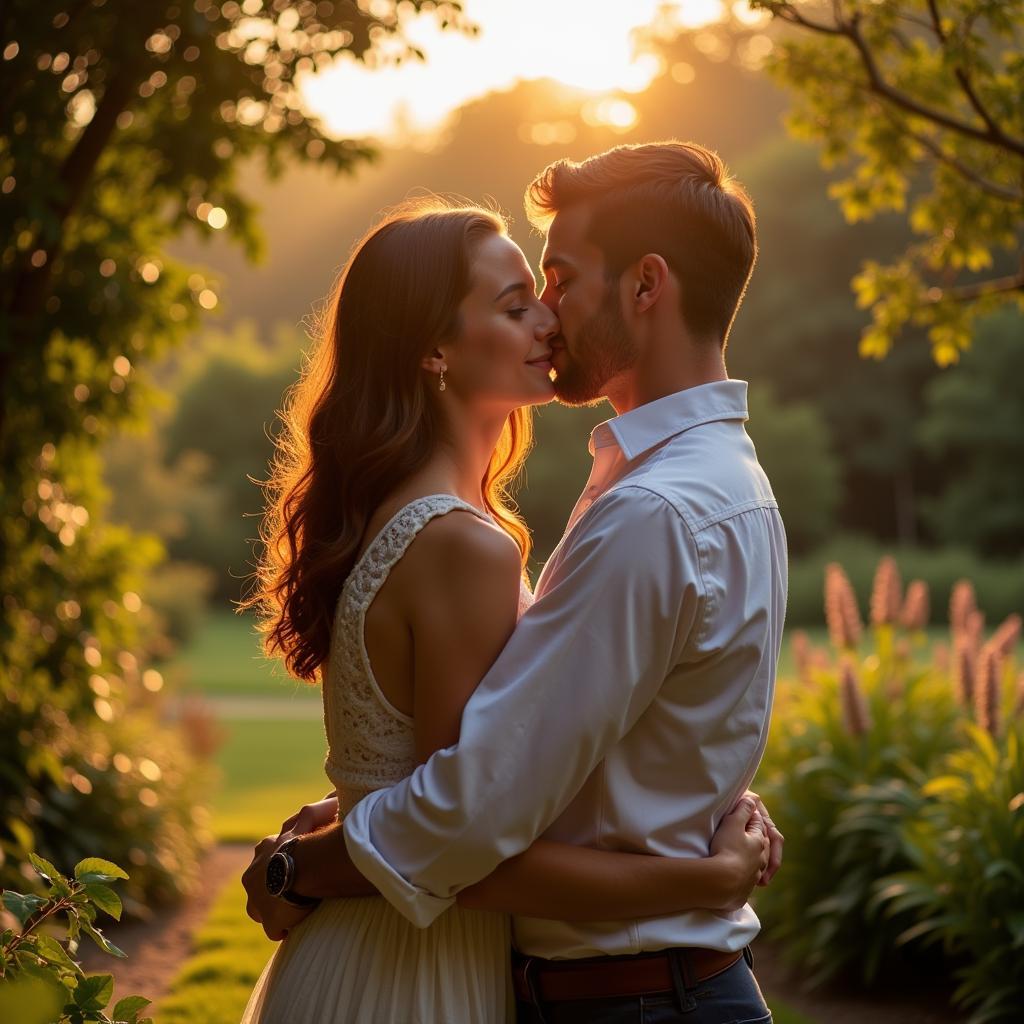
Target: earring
column 441, row 384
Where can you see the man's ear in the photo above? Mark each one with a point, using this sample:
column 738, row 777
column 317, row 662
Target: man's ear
column 650, row 278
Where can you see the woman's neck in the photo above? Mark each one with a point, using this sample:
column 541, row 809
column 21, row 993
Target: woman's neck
column 460, row 463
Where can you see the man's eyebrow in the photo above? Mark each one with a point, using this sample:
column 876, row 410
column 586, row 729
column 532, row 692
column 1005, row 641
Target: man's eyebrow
column 551, row 262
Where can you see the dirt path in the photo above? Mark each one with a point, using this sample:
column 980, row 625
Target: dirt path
column 157, row 948
column 914, row 1004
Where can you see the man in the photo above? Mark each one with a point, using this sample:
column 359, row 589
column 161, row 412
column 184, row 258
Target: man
column 630, row 708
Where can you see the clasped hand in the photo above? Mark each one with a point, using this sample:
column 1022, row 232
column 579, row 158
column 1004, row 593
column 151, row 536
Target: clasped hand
column 276, row 915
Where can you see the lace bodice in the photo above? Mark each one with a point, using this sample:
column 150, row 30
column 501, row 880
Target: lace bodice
column 370, row 742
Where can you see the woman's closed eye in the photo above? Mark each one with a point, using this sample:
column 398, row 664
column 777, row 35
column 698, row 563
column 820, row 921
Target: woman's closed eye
column 518, row 313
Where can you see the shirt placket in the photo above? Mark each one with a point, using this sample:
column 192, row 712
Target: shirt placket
column 607, row 467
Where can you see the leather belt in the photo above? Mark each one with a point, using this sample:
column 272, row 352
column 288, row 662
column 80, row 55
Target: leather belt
column 553, row 981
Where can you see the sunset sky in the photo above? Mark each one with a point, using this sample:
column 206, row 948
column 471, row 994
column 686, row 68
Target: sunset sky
column 584, row 44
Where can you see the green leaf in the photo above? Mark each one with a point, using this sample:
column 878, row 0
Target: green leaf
column 46, row 870
column 127, row 1009
column 94, row 869
column 35, row 997
column 101, row 940
column 22, row 906
column 104, row 898
column 94, row 992
column 53, row 952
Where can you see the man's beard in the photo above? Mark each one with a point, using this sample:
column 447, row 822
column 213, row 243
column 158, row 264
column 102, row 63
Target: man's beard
column 603, row 350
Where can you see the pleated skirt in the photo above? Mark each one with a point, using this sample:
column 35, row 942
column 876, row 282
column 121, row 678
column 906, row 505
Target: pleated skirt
column 358, row 960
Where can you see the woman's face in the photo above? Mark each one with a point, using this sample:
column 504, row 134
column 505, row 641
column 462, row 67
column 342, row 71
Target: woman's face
column 501, row 355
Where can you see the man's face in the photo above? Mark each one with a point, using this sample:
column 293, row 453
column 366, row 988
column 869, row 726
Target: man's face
column 594, row 344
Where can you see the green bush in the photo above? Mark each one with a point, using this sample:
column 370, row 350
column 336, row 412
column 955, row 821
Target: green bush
column 40, row 981
column 126, row 786
column 848, row 747
column 899, row 784
column 965, row 840
column 1000, row 585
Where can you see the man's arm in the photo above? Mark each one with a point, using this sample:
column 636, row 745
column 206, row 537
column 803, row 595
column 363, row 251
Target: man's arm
column 582, row 666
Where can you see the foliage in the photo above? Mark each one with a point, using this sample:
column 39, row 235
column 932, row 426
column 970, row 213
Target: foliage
column 40, row 982
column 121, row 125
column 122, row 783
column 862, row 749
column 965, row 841
column 793, row 447
column 973, row 424
column 923, row 99
column 839, row 792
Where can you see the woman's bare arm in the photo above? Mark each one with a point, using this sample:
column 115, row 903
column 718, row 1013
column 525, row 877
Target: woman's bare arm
column 578, row 883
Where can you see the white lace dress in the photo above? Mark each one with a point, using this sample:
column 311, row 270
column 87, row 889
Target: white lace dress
column 359, row 960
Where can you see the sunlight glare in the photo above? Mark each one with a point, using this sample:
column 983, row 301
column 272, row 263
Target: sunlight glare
column 568, row 42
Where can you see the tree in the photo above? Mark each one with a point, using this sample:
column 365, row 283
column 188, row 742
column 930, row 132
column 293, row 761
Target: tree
column 121, row 124
column 974, row 426
column 924, row 98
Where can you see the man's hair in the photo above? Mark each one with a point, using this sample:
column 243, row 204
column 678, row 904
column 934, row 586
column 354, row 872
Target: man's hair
column 674, row 199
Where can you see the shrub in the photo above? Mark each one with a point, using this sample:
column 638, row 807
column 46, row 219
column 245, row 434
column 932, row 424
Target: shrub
column 965, row 840
column 40, row 981
column 126, row 787
column 855, row 744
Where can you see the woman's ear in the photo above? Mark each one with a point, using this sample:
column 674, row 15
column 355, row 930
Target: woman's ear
column 434, row 361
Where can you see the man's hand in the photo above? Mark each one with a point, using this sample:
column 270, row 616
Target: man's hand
column 775, row 839
column 276, row 916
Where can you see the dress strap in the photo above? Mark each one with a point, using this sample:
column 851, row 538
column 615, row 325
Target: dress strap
column 370, row 572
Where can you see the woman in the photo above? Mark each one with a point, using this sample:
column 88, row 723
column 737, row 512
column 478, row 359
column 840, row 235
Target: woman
column 394, row 575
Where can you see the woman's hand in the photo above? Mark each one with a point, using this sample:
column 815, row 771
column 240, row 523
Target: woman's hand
column 741, row 850
column 312, row 817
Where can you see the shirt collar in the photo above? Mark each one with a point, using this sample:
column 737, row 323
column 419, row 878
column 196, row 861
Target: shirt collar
column 641, row 429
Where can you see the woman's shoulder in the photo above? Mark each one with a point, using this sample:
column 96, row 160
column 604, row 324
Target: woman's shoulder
column 456, row 559
column 463, row 542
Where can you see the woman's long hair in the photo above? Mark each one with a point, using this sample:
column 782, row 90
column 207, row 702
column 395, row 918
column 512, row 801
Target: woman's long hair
column 364, row 416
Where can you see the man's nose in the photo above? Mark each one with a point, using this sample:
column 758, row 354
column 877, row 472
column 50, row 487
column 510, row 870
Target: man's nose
column 548, row 327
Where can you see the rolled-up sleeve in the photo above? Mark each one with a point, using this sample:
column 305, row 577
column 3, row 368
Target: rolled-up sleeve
column 585, row 661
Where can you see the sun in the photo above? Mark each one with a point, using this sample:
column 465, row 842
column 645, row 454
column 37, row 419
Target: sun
column 590, row 45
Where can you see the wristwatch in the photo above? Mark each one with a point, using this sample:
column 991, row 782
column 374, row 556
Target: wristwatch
column 281, row 876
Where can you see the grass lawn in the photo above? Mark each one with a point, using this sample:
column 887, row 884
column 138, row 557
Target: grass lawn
column 214, row 985
column 224, row 660
column 269, row 770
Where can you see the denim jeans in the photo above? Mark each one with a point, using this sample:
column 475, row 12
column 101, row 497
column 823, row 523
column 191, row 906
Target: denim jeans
column 732, row 997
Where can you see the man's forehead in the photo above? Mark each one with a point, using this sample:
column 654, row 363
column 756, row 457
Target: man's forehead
column 566, row 237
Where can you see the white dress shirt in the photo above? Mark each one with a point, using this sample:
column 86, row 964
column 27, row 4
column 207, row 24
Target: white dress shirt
column 630, row 707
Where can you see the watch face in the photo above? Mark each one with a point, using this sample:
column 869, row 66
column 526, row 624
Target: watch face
column 277, row 874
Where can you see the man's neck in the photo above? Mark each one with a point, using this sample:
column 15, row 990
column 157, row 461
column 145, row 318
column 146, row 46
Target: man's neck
column 653, row 379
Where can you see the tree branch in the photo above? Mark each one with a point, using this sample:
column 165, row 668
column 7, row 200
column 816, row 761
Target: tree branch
column 964, row 170
column 992, row 134
column 981, row 290
column 961, row 74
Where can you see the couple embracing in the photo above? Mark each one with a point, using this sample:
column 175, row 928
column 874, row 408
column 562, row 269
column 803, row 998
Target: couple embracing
column 540, row 809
